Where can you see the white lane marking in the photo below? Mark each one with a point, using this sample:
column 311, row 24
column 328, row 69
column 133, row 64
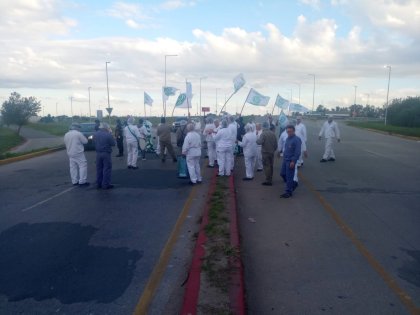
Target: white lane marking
column 374, row 153
column 48, row 199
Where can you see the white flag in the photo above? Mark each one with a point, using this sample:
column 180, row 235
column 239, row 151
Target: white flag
column 298, row 108
column 281, row 102
column 189, row 90
column 257, row 99
column 283, row 121
column 182, row 101
column 168, row 91
column 147, row 99
column 238, row 82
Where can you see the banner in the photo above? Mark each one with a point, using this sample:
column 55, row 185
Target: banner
column 281, row 102
column 238, row 82
column 189, row 90
column 147, row 99
column 283, row 121
column 182, row 101
column 168, row 91
column 298, row 108
column 257, row 99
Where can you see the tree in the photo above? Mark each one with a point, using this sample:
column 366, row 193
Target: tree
column 17, row 110
column 405, row 112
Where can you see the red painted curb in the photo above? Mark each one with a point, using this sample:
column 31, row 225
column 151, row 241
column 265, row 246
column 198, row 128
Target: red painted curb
column 236, row 290
column 192, row 290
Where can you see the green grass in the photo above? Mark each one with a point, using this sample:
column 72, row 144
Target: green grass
column 405, row 131
column 57, row 129
column 8, row 155
column 8, row 140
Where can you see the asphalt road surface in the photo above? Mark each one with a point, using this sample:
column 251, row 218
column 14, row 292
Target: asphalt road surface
column 73, row 250
column 348, row 242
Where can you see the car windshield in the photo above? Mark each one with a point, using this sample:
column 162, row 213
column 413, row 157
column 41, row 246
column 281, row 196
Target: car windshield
column 87, row 127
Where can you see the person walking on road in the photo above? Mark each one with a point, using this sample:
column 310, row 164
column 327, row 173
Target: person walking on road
column 330, row 132
column 233, row 127
column 132, row 135
column 249, row 145
column 144, row 134
column 103, row 145
column 291, row 154
column 192, row 150
column 223, row 139
column 301, row 133
column 211, row 146
column 164, row 134
column 258, row 132
column 74, row 141
column 268, row 142
column 119, row 136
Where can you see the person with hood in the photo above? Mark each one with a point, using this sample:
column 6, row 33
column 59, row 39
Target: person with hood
column 249, row 145
column 211, row 145
column 119, row 136
column 104, row 141
column 223, row 139
column 132, row 136
column 268, row 142
column 74, row 141
column 192, row 150
column 330, row 132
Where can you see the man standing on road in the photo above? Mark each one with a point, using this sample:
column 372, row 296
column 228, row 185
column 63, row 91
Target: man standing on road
column 74, row 141
column 103, row 146
column 119, row 136
column 223, row 139
column 192, row 150
column 292, row 151
column 233, row 128
column 132, row 135
column 268, row 142
column 301, row 133
column 249, row 145
column 211, row 146
column 164, row 134
column 330, row 131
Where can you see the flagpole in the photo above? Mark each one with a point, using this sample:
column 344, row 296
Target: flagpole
column 274, row 106
column 240, row 114
column 145, row 113
column 226, row 102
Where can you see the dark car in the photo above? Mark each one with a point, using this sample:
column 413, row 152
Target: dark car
column 88, row 130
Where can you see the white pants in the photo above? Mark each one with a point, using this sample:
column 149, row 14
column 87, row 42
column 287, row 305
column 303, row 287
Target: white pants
column 295, row 178
column 78, row 168
column 329, row 152
column 132, row 153
column 259, row 158
column 224, row 158
column 211, row 150
column 232, row 157
column 249, row 165
column 302, row 149
column 193, row 164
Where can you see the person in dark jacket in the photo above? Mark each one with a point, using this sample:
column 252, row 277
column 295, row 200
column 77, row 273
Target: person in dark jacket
column 97, row 123
column 119, row 136
column 268, row 143
column 291, row 154
column 104, row 141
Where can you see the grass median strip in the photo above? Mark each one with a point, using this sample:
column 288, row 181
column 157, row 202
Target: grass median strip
column 8, row 140
column 380, row 126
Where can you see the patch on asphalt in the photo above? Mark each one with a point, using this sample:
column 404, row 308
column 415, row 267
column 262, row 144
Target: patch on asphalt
column 410, row 271
column 55, row 261
column 148, row 178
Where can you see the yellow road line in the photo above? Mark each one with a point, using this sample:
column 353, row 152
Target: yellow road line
column 389, row 280
column 160, row 267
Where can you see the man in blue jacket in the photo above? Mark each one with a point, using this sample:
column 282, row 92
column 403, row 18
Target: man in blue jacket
column 104, row 141
column 291, row 154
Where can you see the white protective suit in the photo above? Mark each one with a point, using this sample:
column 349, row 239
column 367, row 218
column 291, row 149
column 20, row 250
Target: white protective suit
column 74, row 141
column 330, row 131
column 132, row 134
column 211, row 145
column 259, row 153
column 233, row 128
column 223, row 139
column 192, row 150
column 300, row 130
column 249, row 144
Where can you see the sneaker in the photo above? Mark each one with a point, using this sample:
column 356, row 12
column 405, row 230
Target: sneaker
column 199, row 181
column 323, row 160
column 84, row 184
column 76, row 184
column 331, row 159
column 109, row 187
column 129, row 167
column 286, row 195
column 134, row 167
column 248, row 178
column 259, row 170
column 220, row 175
column 191, row 183
column 267, row 184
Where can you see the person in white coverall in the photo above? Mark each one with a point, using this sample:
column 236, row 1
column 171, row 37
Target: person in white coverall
column 249, row 145
column 233, row 127
column 74, row 141
column 330, row 132
column 211, row 145
column 300, row 131
column 223, row 139
column 192, row 150
column 132, row 136
column 258, row 132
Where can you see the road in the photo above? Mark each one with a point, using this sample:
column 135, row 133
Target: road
column 36, row 139
column 72, row 250
column 348, row 242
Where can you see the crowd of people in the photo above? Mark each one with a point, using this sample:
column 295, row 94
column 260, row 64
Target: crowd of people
column 224, row 137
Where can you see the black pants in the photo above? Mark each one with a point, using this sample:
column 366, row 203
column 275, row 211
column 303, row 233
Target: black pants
column 120, row 145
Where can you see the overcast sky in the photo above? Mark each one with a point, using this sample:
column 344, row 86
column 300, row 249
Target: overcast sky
column 54, row 49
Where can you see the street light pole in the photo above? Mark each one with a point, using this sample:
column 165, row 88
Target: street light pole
column 355, row 93
column 368, row 97
column 90, row 114
column 298, row 84
column 216, row 100
column 107, row 83
column 71, row 107
column 387, row 93
column 313, row 93
column 198, row 111
column 164, row 100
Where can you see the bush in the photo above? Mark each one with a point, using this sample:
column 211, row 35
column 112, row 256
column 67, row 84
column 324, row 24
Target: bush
column 405, row 112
